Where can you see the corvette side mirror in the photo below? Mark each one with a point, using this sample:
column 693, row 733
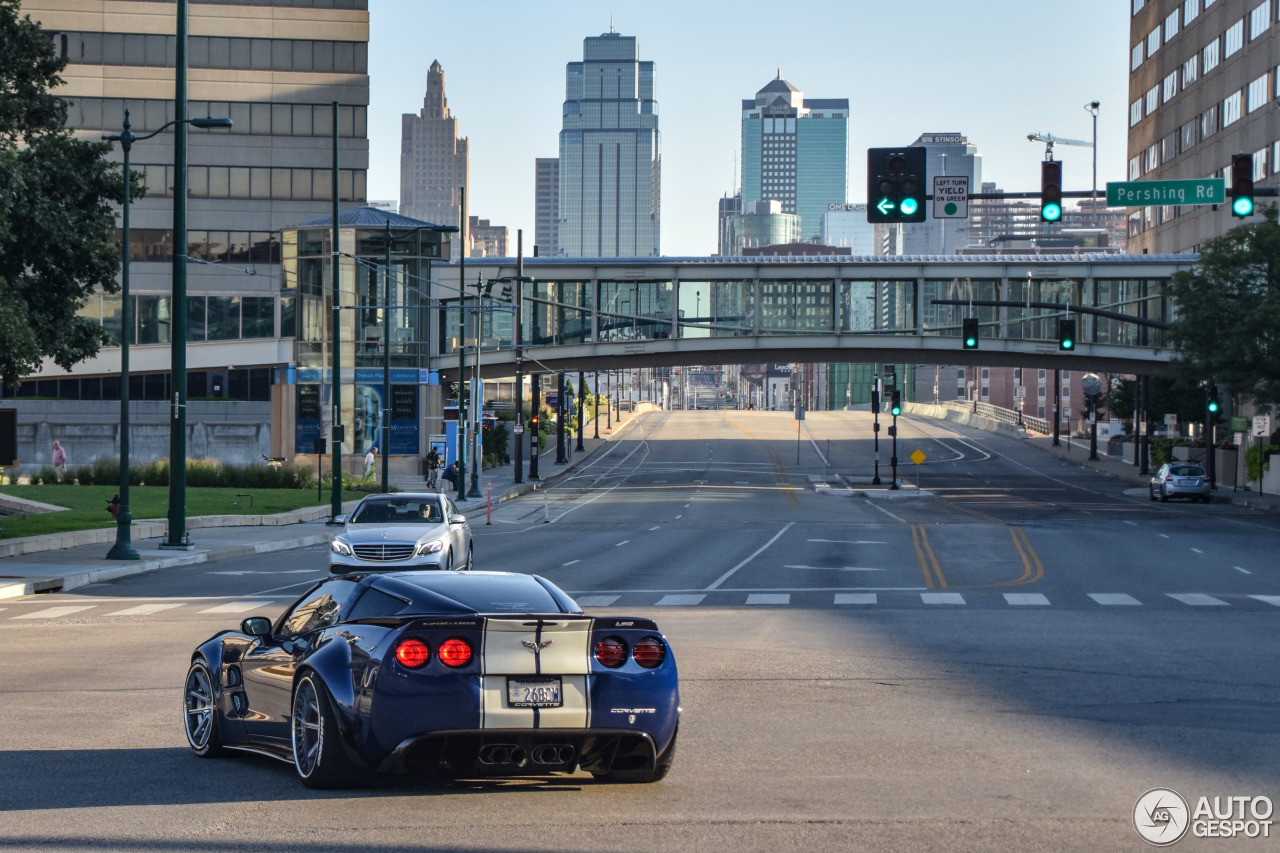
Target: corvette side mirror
column 256, row 626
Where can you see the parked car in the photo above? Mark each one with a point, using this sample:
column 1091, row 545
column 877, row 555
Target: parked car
column 404, row 530
column 441, row 674
column 1180, row 480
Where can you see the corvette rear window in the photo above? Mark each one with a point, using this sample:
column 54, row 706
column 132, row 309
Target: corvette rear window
column 514, row 594
column 374, row 603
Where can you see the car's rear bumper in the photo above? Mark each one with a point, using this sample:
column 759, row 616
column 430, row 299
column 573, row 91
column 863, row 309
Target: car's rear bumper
column 471, row 753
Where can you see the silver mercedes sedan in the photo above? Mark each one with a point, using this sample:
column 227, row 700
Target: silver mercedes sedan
column 402, row 531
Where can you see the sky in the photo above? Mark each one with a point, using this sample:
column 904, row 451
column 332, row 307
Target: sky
column 994, row 70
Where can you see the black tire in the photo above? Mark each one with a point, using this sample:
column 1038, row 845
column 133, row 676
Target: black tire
column 1164, row 499
column 318, row 756
column 200, row 712
column 643, row 777
column 1151, row 490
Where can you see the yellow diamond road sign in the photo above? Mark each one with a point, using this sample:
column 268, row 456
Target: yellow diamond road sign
column 918, row 457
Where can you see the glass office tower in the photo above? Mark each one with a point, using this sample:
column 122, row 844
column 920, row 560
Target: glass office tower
column 795, row 151
column 610, row 161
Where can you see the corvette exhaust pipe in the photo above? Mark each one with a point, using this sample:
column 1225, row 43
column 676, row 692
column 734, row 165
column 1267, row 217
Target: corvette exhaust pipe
column 552, row 753
column 503, row 753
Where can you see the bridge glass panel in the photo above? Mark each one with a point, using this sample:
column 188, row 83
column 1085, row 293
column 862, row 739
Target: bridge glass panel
column 796, row 307
column 1041, row 324
column 716, row 309
column 1141, row 298
column 877, row 307
column 558, row 312
column 947, row 320
column 635, row 310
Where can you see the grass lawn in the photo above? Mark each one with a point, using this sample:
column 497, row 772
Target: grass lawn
column 86, row 506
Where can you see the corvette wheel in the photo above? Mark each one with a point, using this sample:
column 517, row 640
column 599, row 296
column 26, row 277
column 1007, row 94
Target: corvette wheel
column 200, row 712
column 657, row 774
column 317, row 748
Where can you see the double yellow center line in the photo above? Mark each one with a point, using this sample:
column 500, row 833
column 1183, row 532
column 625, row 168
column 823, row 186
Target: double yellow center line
column 1032, row 568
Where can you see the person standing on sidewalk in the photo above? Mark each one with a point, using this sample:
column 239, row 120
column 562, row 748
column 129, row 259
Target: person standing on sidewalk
column 433, row 467
column 370, row 459
column 59, row 460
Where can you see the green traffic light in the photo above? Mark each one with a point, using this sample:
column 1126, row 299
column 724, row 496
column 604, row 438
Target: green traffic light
column 1242, row 206
column 1213, row 406
column 1067, row 343
column 971, row 343
column 908, row 206
column 1051, row 212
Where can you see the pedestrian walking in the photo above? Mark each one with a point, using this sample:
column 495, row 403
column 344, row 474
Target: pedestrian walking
column 433, row 467
column 370, row 459
column 59, row 460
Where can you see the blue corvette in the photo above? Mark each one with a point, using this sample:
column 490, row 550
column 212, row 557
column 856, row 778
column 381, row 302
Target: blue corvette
column 442, row 674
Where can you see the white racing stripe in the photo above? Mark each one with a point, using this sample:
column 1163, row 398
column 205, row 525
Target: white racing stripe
column 525, row 648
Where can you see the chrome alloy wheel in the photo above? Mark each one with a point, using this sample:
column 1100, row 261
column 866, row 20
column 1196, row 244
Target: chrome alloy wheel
column 199, row 707
column 308, row 732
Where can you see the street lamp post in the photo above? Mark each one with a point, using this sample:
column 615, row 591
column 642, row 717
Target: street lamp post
column 477, row 402
column 462, row 345
column 123, row 548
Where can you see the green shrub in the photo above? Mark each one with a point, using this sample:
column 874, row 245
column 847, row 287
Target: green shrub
column 1162, row 449
column 1258, row 459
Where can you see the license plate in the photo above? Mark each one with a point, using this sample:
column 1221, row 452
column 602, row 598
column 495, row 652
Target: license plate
column 534, row 693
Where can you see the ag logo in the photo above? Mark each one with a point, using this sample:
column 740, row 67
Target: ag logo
column 1161, row 816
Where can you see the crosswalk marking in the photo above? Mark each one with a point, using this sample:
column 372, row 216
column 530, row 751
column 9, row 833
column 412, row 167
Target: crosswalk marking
column 1268, row 599
column 942, row 598
column 235, row 607
column 769, row 598
column 597, row 600
column 679, row 600
column 1113, row 598
column 1196, row 599
column 54, row 612
column 855, row 598
column 146, row 609
column 1025, row 598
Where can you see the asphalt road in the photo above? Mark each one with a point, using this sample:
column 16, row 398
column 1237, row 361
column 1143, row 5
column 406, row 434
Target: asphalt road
column 1006, row 662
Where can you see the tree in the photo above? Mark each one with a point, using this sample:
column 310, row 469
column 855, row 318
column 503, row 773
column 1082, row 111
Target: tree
column 1228, row 323
column 57, row 224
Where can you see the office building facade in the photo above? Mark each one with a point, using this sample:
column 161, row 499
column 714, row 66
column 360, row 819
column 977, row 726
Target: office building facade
column 1202, row 87
column 846, row 226
column 610, row 154
column 434, row 160
column 947, row 154
column 546, row 206
column 795, row 151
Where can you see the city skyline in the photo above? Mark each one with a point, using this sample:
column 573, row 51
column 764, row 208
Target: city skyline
column 506, row 79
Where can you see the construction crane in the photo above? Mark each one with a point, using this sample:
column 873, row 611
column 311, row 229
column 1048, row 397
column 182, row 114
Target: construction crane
column 1049, row 139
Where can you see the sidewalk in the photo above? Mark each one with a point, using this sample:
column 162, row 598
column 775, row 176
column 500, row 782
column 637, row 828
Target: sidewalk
column 65, row 561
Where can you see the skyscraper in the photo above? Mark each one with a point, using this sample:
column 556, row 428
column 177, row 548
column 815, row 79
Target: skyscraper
column 948, row 154
column 610, row 159
column 795, row 151
column 434, row 161
column 546, row 205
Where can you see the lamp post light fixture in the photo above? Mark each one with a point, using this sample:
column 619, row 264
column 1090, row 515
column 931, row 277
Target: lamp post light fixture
column 123, row 548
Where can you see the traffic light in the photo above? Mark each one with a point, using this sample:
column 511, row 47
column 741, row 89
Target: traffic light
column 1066, row 333
column 969, row 332
column 1242, row 185
column 1213, row 403
column 895, row 406
column 875, row 401
column 533, row 422
column 896, row 184
column 1050, row 191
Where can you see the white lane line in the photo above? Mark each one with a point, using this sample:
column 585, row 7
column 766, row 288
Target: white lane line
column 54, row 612
column 623, row 542
column 1114, row 599
column 855, row 598
column 234, row 607
column 655, row 527
column 1196, row 599
column 146, row 609
column 679, row 516
column 768, row 598
column 679, row 600
column 851, row 541
column 942, row 598
column 1238, row 569
column 836, row 568
column 1163, row 535
column 1268, row 599
column 724, row 577
column 741, row 483
column 1133, row 523
column 1197, row 550
column 597, row 600
column 1025, row 598
column 571, row 562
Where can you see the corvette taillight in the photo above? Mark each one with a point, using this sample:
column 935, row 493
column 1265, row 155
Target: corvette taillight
column 413, row 654
column 455, row 652
column 650, row 652
column 611, row 652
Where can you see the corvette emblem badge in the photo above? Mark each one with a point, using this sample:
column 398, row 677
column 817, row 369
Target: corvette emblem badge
column 536, row 647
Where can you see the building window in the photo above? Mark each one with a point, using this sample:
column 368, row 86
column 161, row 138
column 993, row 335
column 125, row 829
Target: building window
column 1153, row 99
column 1259, row 19
column 1211, row 55
column 1231, row 110
column 1135, row 112
column 1259, row 164
column 1137, row 5
column 1168, row 148
column 1209, row 122
column 1135, row 168
column 1137, row 57
column 1152, row 159
column 1153, row 42
column 1187, row 134
column 1275, row 157
column 1171, row 26
column 1170, row 86
column 1190, row 11
column 1190, row 71
column 1233, row 39
column 1257, row 96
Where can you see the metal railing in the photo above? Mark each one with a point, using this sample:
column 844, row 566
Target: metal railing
column 1009, row 416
